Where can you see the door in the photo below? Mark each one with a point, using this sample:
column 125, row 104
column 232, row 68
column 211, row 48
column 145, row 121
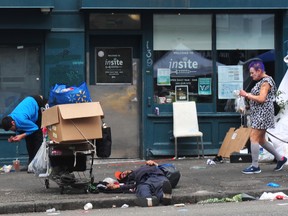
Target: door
column 116, row 83
column 19, row 77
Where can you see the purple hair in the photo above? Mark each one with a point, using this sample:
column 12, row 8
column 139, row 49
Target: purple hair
column 257, row 65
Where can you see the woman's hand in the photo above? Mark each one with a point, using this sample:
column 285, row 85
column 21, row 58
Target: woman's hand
column 243, row 93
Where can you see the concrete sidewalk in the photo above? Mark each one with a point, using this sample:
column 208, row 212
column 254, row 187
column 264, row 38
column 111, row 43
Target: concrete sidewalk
column 22, row 192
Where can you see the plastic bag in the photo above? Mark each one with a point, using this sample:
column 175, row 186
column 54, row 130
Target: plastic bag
column 40, row 162
column 103, row 145
column 264, row 155
column 61, row 94
column 240, row 105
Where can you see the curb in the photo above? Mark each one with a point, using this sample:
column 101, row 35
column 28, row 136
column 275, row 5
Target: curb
column 115, row 202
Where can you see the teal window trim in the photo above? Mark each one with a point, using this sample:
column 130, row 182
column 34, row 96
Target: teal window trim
column 200, row 114
column 22, row 4
column 183, row 4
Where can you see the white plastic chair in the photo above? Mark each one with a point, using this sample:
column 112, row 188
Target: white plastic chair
column 185, row 123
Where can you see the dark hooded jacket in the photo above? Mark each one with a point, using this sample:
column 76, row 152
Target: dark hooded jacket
column 140, row 175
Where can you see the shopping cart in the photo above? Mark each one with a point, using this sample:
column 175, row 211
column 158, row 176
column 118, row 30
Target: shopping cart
column 70, row 165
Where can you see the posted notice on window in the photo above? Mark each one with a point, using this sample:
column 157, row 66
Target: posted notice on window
column 230, row 78
column 163, row 77
column 204, row 86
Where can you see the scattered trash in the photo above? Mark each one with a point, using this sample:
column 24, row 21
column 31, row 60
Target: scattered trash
column 272, row 184
column 210, row 162
column 88, row 206
column 124, row 206
column 198, row 167
column 92, row 188
column 272, row 196
column 51, row 210
column 110, row 180
column 179, row 205
column 236, row 198
column 6, row 168
column 16, row 165
column 280, row 197
column 246, row 197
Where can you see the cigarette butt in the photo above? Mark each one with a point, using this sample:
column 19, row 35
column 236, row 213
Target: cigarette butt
column 179, row 205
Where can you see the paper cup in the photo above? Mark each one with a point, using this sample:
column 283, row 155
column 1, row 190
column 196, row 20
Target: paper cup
column 88, row 206
column 16, row 165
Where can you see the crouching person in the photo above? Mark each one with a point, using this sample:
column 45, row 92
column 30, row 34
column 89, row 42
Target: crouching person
column 148, row 182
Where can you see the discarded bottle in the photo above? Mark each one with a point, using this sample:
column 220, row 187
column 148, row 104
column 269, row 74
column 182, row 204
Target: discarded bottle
column 261, row 151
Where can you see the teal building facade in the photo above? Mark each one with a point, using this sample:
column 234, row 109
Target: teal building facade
column 138, row 55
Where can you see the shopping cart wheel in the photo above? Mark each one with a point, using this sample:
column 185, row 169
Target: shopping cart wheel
column 47, row 185
column 92, row 179
column 86, row 190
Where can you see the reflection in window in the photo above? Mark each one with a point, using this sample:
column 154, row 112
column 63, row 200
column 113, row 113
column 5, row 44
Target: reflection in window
column 180, row 68
column 19, row 75
column 114, row 21
column 241, row 38
column 182, row 58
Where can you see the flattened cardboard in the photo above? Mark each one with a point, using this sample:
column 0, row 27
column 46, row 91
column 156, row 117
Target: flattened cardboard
column 234, row 141
column 73, row 122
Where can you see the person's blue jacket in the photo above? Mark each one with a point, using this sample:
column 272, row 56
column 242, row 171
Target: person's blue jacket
column 25, row 116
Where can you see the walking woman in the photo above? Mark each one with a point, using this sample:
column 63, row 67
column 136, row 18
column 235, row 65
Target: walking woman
column 262, row 115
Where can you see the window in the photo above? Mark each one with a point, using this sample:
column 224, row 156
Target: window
column 239, row 39
column 114, row 21
column 182, row 58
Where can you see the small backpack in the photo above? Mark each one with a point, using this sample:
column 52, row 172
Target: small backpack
column 171, row 173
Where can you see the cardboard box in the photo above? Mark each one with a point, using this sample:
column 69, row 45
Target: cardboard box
column 234, row 141
column 73, row 122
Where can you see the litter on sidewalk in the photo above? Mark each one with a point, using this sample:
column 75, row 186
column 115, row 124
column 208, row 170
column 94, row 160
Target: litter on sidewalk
column 237, row 198
column 273, row 196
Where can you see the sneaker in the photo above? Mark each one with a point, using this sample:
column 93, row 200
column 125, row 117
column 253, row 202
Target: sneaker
column 280, row 164
column 251, row 170
column 147, row 202
column 167, row 193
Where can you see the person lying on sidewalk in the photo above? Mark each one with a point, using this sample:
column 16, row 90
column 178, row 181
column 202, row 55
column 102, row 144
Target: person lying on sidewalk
column 148, row 182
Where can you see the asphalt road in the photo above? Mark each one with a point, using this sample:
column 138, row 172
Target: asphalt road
column 248, row 208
